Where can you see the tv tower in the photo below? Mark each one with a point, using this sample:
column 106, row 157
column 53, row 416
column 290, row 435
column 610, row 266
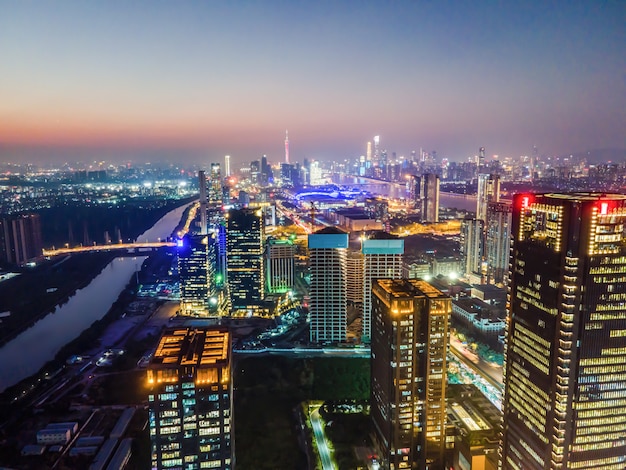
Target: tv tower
column 287, row 147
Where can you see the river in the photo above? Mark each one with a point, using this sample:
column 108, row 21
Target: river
column 399, row 191
column 29, row 351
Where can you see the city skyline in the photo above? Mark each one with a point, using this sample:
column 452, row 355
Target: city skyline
column 198, row 81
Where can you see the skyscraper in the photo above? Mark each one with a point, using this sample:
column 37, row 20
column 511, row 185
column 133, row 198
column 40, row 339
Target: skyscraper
column 498, row 242
column 472, row 248
column 227, row 166
column 246, row 274
column 409, row 346
column 280, row 265
column 215, row 189
column 488, row 192
column 190, row 400
column 382, row 254
column 203, row 202
column 565, row 386
column 196, row 270
column 328, row 249
column 430, row 207
column 287, row 147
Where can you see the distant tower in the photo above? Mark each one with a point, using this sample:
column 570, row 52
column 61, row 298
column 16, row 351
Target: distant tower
column 287, row 147
column 472, row 246
column 376, row 149
column 203, row 202
column 227, row 166
column 215, row 190
column 498, row 242
column 368, row 152
column 488, row 192
column 481, row 158
column 430, row 207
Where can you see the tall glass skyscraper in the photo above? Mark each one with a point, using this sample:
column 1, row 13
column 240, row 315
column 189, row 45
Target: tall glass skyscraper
column 196, row 271
column 565, row 370
column 190, row 400
column 245, row 261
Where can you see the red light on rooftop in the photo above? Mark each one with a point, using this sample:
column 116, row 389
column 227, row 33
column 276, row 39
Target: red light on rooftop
column 604, row 208
column 525, row 201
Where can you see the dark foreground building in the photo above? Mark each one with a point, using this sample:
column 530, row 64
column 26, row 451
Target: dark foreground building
column 409, row 346
column 565, row 371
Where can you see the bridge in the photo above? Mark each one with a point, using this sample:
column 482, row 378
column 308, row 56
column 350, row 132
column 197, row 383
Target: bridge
column 128, row 247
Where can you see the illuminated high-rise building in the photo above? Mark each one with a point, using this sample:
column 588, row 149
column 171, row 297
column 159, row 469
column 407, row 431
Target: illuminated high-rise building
column 498, row 242
column 245, row 261
column 354, row 279
column 472, row 248
column 191, row 400
column 203, row 202
column 430, row 205
column 215, row 187
column 481, row 159
column 410, row 338
column 488, row 192
column 328, row 251
column 382, row 258
column 197, row 260
column 287, row 147
column 280, row 264
column 565, row 365
column 227, row 166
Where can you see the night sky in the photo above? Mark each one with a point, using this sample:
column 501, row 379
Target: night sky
column 194, row 81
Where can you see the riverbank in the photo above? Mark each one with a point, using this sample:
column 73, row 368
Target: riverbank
column 39, row 290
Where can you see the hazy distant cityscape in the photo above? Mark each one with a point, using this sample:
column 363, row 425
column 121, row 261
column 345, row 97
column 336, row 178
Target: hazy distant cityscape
column 312, row 236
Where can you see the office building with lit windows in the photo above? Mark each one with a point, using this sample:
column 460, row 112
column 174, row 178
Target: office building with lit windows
column 197, row 275
column 382, row 258
column 215, row 184
column 191, row 401
column 245, row 260
column 472, row 248
column 565, row 364
column 488, row 192
column 498, row 242
column 328, row 251
column 280, row 264
column 410, row 338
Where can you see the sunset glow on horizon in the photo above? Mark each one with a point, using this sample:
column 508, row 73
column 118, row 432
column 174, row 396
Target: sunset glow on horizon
column 215, row 79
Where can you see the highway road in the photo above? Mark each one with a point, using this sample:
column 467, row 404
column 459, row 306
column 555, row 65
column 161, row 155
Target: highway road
column 320, row 439
column 491, row 373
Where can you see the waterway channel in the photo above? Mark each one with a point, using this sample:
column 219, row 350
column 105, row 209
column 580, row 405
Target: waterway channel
column 29, row 351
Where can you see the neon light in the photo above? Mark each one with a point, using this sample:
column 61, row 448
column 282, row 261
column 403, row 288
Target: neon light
column 525, row 202
column 604, row 208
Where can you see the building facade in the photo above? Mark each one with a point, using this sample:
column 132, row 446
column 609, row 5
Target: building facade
column 382, row 255
column 280, row 261
column 565, row 363
column 498, row 242
column 472, row 246
column 410, row 338
column 430, row 206
column 488, row 192
column 245, row 260
column 191, row 401
column 328, row 249
column 196, row 273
